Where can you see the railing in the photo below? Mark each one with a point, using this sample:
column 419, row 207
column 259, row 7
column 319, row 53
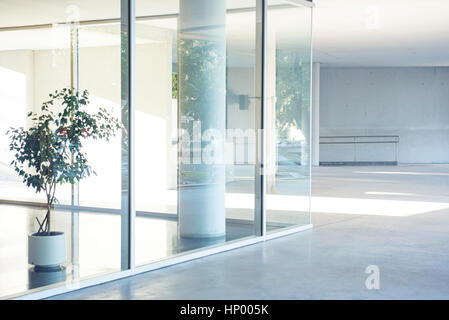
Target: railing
column 356, row 141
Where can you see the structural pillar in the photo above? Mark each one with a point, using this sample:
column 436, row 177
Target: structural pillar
column 202, row 116
column 316, row 69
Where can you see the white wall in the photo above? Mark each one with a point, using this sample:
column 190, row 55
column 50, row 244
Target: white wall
column 16, row 99
column 28, row 76
column 410, row 102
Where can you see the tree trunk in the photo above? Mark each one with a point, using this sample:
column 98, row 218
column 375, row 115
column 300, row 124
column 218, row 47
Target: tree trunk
column 47, row 224
column 48, row 220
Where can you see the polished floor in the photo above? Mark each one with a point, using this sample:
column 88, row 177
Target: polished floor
column 395, row 218
column 93, row 238
column 93, row 244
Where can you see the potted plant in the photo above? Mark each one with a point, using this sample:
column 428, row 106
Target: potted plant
column 50, row 153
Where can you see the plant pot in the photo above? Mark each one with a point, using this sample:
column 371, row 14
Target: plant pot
column 47, row 251
column 40, row 277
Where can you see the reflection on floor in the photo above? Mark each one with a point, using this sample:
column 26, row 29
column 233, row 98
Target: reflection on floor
column 93, row 238
column 396, row 191
column 93, row 244
column 153, row 231
column 328, row 262
column 96, row 254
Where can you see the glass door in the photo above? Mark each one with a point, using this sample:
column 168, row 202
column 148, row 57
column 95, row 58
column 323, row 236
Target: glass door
column 287, row 114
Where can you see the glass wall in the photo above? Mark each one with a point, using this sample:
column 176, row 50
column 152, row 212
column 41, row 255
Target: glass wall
column 195, row 78
column 44, row 48
column 287, row 115
column 99, row 70
column 206, row 117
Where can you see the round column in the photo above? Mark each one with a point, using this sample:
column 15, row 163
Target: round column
column 202, row 110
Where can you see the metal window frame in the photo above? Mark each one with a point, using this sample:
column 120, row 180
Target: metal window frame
column 128, row 74
column 311, row 127
column 128, row 210
column 260, row 90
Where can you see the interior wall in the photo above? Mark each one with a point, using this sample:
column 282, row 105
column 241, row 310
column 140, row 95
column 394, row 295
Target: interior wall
column 240, row 81
column 411, row 102
column 28, row 76
column 17, row 85
column 16, row 99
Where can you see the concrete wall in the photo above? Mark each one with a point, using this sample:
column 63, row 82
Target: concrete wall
column 412, row 103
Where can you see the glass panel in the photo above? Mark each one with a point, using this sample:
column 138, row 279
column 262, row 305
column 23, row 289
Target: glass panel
column 195, row 123
column 287, row 114
column 43, row 49
column 195, row 130
column 100, row 73
column 33, row 63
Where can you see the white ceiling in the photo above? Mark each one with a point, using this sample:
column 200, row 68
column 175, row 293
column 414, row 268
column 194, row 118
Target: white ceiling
column 346, row 32
column 382, row 32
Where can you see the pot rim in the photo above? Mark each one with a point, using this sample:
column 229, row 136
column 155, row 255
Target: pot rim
column 52, row 234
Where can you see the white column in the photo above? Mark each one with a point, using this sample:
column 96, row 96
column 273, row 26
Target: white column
column 316, row 114
column 202, row 109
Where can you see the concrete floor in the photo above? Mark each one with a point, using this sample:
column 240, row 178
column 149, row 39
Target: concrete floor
column 329, row 261
column 93, row 243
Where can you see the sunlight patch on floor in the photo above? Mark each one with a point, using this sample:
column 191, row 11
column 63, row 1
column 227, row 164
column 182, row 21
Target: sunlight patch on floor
column 379, row 207
column 404, row 173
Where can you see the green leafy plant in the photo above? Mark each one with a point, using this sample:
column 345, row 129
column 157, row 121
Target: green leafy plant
column 202, row 63
column 201, row 76
column 174, row 86
column 50, row 152
column 292, row 90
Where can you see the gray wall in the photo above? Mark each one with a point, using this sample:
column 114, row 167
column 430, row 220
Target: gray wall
column 410, row 102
